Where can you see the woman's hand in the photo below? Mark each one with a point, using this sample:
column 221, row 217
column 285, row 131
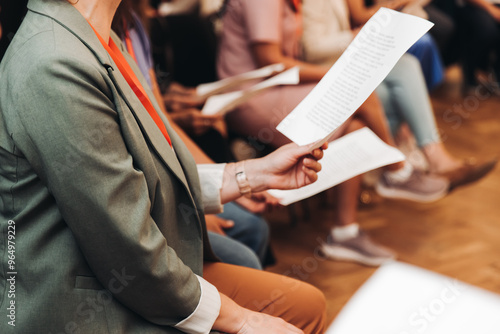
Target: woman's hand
column 259, row 202
column 289, row 167
column 217, row 224
column 258, row 323
column 175, row 101
column 194, row 122
column 234, row 319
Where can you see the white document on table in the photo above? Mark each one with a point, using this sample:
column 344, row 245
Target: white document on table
column 212, row 88
column 361, row 68
column 223, row 103
column 346, row 157
column 404, row 299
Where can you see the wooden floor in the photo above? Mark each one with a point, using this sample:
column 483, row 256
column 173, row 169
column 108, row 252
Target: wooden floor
column 458, row 236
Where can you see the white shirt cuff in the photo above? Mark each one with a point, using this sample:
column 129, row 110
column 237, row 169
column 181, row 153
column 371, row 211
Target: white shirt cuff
column 203, row 317
column 211, row 182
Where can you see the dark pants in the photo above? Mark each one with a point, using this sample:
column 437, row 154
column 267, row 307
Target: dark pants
column 481, row 42
column 443, row 30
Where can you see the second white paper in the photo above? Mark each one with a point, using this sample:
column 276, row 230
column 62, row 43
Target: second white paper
column 346, row 157
column 355, row 75
column 224, row 103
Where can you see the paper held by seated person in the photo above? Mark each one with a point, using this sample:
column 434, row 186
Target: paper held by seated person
column 404, row 299
column 223, row 103
column 212, row 88
column 361, row 68
column 346, row 157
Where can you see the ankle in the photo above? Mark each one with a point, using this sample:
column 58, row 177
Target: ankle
column 342, row 233
column 400, row 175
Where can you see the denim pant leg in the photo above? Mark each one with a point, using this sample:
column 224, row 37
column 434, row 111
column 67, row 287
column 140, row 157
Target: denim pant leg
column 404, row 96
column 249, row 229
column 233, row 252
column 426, row 51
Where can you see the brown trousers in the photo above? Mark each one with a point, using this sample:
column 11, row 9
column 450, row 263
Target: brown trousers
column 296, row 302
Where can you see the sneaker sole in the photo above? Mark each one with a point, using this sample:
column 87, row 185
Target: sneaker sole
column 408, row 195
column 343, row 254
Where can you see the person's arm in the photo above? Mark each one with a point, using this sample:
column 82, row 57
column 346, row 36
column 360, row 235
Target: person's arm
column 289, row 167
column 177, row 7
column 360, row 13
column 270, row 53
column 264, row 24
column 238, row 320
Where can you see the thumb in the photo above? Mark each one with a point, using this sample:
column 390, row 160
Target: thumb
column 227, row 223
column 295, row 150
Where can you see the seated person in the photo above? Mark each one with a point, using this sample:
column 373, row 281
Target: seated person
column 107, row 202
column 327, row 33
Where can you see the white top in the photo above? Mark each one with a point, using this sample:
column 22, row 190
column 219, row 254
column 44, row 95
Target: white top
column 326, row 30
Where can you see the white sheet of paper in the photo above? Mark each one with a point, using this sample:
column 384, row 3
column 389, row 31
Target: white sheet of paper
column 218, row 103
column 403, row 299
column 216, row 87
column 361, row 68
column 346, row 157
column 223, row 103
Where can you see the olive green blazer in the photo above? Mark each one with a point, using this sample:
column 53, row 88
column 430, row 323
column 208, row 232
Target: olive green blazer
column 108, row 219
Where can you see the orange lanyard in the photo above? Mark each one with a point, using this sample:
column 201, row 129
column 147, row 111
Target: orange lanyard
column 133, row 82
column 296, row 5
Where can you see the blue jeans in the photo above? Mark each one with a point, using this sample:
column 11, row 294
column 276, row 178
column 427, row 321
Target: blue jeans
column 406, row 100
column 233, row 252
column 248, row 239
column 427, row 52
column 249, row 229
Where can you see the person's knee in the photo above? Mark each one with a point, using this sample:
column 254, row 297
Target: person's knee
column 316, row 301
column 260, row 228
column 311, row 308
column 410, row 63
column 254, row 229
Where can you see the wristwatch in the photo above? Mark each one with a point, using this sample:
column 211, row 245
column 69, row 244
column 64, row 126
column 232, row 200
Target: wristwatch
column 242, row 180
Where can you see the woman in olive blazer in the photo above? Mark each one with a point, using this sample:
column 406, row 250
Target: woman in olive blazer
column 109, row 230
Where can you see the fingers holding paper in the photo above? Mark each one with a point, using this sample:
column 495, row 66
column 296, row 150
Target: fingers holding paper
column 289, row 167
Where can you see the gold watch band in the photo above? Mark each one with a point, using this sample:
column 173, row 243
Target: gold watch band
column 242, row 180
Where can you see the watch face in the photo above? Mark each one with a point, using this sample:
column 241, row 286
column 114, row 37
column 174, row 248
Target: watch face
column 243, row 184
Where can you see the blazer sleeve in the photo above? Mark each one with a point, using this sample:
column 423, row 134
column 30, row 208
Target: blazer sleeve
column 211, row 177
column 69, row 130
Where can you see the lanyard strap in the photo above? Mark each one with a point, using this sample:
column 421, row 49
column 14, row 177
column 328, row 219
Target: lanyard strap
column 296, row 5
column 133, row 82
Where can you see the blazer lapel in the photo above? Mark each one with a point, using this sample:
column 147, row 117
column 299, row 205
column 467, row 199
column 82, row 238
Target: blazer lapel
column 73, row 21
column 149, row 127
